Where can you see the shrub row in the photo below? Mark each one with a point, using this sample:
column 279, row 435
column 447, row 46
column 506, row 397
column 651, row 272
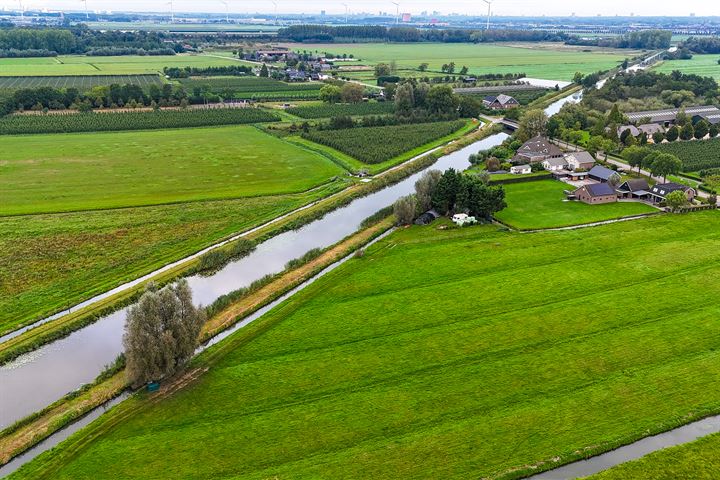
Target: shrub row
column 334, row 110
column 142, row 120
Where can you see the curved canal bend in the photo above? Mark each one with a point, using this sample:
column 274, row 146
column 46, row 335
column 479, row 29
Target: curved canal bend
column 38, row 378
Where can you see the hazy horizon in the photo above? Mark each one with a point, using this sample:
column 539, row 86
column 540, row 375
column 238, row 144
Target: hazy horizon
column 517, row 8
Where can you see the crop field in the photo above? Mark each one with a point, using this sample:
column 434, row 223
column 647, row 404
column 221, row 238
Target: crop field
column 698, row 460
column 552, row 62
column 541, row 204
column 53, row 261
column 695, row 155
column 326, row 110
column 375, row 145
column 703, row 65
column 81, row 82
column 459, row 353
column 247, row 84
column 56, row 173
column 66, row 65
column 131, row 120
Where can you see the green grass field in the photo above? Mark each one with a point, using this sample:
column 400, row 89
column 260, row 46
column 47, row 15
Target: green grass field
column 549, row 61
column 51, row 262
column 66, row 65
column 460, row 353
column 81, row 82
column 704, row 65
column 696, row 460
column 87, row 171
column 541, row 204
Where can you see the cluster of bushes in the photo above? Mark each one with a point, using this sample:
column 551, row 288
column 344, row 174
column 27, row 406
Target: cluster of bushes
column 450, row 192
column 185, row 72
column 702, row 45
column 378, row 144
column 15, row 53
column 138, row 120
column 343, row 109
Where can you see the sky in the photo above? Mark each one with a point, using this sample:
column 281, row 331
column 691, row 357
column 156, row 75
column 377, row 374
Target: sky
column 475, row 7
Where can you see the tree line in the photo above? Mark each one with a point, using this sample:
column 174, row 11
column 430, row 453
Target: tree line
column 109, row 96
column 647, row 39
column 185, row 72
column 327, row 33
column 81, row 40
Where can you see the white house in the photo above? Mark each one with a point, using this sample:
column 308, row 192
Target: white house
column 554, row 164
column 461, row 219
column 520, row 169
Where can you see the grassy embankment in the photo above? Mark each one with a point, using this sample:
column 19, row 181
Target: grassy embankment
column 542, row 204
column 456, row 353
column 215, row 182
column 21, row 436
column 696, row 460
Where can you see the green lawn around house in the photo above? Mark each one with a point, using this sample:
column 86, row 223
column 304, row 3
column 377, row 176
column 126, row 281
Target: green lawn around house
column 696, row 460
column 50, row 262
column 542, row 204
column 87, row 171
column 538, row 60
column 459, row 353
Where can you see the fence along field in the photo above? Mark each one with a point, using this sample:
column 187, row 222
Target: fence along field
column 378, row 144
column 144, row 120
column 81, row 82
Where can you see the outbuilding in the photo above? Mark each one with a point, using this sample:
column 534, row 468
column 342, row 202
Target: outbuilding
column 596, row 193
column 521, row 169
column 603, row 174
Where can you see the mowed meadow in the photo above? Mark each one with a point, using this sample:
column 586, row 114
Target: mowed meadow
column 110, row 65
column 548, row 61
column 83, row 213
column 86, row 171
column 459, row 353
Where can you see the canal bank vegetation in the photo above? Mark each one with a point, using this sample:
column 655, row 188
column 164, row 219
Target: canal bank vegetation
column 461, row 352
column 698, row 459
column 162, row 226
column 222, row 314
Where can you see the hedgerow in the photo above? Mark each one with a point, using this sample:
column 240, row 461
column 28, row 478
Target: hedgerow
column 378, row 144
column 140, row 120
column 326, row 111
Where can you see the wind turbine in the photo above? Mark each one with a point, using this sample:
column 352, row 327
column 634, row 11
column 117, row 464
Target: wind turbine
column 22, row 10
column 172, row 12
column 227, row 10
column 87, row 15
column 489, row 2
column 397, row 12
column 276, row 18
column 346, row 12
